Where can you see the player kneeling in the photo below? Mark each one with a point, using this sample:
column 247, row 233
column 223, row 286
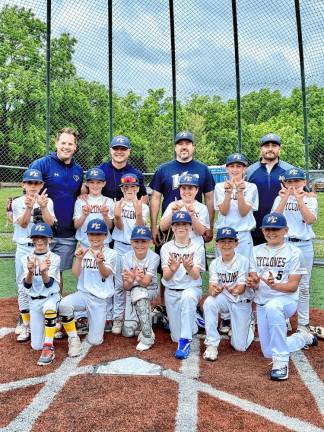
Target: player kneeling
column 228, row 294
column 95, row 268
column 182, row 262
column 41, row 280
column 140, row 281
column 275, row 275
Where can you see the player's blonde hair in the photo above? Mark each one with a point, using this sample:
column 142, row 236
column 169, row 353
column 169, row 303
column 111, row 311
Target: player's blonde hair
column 67, row 130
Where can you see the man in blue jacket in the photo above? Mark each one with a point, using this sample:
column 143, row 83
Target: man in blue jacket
column 63, row 180
column 266, row 175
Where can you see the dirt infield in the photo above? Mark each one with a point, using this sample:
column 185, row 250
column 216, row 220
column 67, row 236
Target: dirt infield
column 113, row 387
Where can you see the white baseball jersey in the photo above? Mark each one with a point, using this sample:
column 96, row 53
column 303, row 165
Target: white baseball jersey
column 181, row 279
column 38, row 288
column 90, row 279
column 230, row 274
column 297, row 227
column 281, row 261
column 95, row 202
column 202, row 215
column 129, row 219
column 233, row 218
column 22, row 235
column 149, row 264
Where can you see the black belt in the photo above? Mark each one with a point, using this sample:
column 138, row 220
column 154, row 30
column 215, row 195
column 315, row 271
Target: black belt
column 30, row 244
column 245, row 301
column 38, row 297
column 173, row 289
column 295, row 240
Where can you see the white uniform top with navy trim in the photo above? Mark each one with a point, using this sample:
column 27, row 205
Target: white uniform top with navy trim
column 129, row 220
column 95, row 202
column 202, row 215
column 22, row 235
column 149, row 264
column 282, row 262
column 230, row 274
column 297, row 228
column 90, row 279
column 233, row 218
column 181, row 280
column 38, row 288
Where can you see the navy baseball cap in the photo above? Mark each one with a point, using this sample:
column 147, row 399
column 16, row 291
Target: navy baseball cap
column 184, row 136
column 141, row 232
column 120, row 141
column 226, row 233
column 188, row 179
column 95, row 174
column 293, row 174
column 181, row 216
column 236, row 158
column 97, row 226
column 32, row 175
column 274, row 220
column 41, row 229
column 270, row 138
column 129, row 179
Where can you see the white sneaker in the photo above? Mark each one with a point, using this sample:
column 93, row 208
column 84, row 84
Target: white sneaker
column 211, row 353
column 117, row 326
column 24, row 334
column 225, row 326
column 142, row 346
column 74, row 346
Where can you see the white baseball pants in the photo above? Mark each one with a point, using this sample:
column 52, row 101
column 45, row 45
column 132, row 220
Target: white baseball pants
column 23, row 297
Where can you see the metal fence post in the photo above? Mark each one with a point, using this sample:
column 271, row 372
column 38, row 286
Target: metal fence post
column 173, row 65
column 110, row 66
column 237, row 77
column 48, row 73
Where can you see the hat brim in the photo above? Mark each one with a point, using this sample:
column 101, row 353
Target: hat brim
column 224, row 238
column 120, row 145
column 274, row 227
column 97, row 232
column 272, row 141
column 129, row 184
column 294, row 178
column 237, row 162
column 141, row 238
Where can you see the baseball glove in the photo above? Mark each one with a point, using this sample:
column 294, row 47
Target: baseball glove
column 318, row 331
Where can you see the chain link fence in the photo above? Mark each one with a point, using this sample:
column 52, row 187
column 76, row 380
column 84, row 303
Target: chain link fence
column 148, row 68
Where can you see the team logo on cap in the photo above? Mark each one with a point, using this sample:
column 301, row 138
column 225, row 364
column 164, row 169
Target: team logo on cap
column 34, row 173
column 180, row 215
column 293, row 172
column 40, row 228
column 95, row 225
column 272, row 219
column 94, row 172
column 120, row 140
column 226, row 231
column 141, row 231
column 237, row 156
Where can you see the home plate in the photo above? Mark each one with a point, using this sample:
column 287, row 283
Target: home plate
column 129, row 366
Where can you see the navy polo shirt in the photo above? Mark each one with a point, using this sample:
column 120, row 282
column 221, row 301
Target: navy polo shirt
column 166, row 179
column 268, row 185
column 63, row 183
column 113, row 179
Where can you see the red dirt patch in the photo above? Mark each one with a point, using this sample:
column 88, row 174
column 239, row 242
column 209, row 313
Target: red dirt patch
column 113, row 403
column 216, row 415
column 9, row 312
column 14, row 401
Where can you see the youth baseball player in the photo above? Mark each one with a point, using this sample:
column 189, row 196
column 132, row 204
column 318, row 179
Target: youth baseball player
column 129, row 212
column 188, row 186
column 300, row 210
column 182, row 262
column 33, row 206
column 95, row 269
column 95, row 206
column 275, row 275
column 140, row 282
column 228, row 293
column 41, row 279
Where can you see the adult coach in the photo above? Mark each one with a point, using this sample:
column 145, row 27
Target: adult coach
column 266, row 175
column 120, row 149
column 63, row 180
column 165, row 182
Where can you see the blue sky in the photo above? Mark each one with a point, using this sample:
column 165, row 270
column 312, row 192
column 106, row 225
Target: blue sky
column 204, row 43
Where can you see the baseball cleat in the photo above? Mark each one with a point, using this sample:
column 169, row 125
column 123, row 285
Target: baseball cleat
column 142, row 346
column 117, row 326
column 310, row 340
column 47, row 355
column 19, row 325
column 211, row 353
column 200, row 321
column 225, row 326
column 279, row 371
column 24, row 335
column 317, row 331
column 74, row 346
column 303, row 328
column 108, row 326
column 82, row 325
column 183, row 350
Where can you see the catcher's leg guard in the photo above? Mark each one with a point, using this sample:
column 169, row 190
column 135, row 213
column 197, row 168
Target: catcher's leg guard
column 143, row 311
column 129, row 328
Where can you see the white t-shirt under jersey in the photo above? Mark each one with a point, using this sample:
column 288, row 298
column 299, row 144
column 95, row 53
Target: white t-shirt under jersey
column 281, row 261
column 22, row 235
column 129, row 219
column 233, row 218
column 202, row 215
column 297, row 227
column 230, row 274
column 149, row 264
column 95, row 202
column 181, row 280
column 90, row 279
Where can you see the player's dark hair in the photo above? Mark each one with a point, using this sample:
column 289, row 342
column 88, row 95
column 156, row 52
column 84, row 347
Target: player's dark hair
column 69, row 131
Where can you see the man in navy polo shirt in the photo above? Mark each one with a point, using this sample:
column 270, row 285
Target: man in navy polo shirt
column 120, row 149
column 265, row 174
column 63, row 180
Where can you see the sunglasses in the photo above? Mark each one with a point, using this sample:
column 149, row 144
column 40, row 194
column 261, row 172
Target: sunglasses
column 129, row 180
